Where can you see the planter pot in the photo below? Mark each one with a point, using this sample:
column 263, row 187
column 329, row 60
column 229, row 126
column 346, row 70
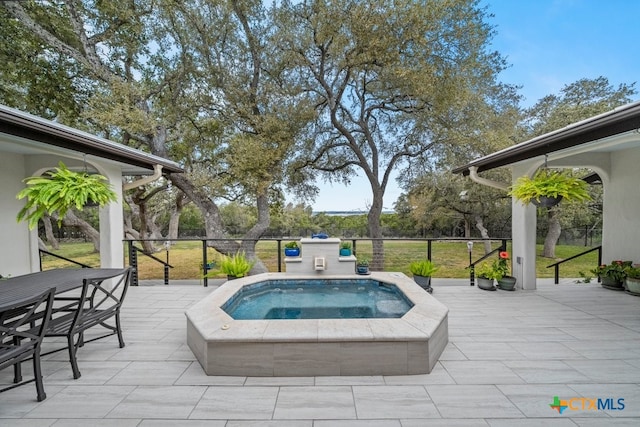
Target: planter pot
column 609, row 283
column 362, row 269
column 292, row 252
column 507, row 283
column 424, row 282
column 232, row 277
column 485, row 284
column 345, row 252
column 546, row 202
column 633, row 286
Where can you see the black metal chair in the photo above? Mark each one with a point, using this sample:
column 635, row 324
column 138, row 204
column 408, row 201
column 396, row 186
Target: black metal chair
column 22, row 329
column 100, row 300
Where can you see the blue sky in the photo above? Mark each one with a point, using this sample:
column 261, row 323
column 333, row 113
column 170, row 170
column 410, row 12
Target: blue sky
column 548, row 44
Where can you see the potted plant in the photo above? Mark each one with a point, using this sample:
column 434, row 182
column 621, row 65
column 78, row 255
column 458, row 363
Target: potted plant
column 292, row 249
column 345, row 249
column 485, row 275
column 501, row 267
column 422, row 271
column 612, row 275
column 362, row 265
column 548, row 187
column 632, row 280
column 235, row 266
column 61, row 189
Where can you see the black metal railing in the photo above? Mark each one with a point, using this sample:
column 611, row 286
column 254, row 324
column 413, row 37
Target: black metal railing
column 133, row 251
column 205, row 265
column 556, row 265
column 472, row 264
column 42, row 251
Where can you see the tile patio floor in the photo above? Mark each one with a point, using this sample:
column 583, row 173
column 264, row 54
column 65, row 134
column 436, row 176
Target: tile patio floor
column 509, row 354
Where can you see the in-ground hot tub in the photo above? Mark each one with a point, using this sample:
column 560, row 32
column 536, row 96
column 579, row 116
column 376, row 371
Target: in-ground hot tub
column 408, row 343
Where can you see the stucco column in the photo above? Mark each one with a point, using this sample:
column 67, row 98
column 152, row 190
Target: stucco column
column 112, row 224
column 523, row 232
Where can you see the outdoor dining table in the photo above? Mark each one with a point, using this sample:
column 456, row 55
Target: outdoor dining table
column 16, row 289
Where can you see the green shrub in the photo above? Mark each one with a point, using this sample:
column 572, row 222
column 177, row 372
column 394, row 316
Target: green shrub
column 236, row 265
column 424, row 268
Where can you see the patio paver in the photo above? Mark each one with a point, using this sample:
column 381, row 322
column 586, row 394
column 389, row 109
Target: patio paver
column 509, row 354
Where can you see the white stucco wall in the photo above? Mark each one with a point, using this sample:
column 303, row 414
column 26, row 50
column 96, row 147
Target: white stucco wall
column 15, row 257
column 620, row 231
column 19, row 245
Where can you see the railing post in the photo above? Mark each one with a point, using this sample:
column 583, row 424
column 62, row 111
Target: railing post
column 599, row 259
column 279, row 255
column 354, row 247
column 429, row 249
column 472, row 275
column 205, row 279
column 167, row 245
column 556, row 274
column 133, row 262
column 472, row 266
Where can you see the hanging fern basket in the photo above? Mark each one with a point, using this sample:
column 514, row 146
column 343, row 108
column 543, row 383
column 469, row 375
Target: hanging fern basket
column 547, row 188
column 546, row 202
column 61, row 189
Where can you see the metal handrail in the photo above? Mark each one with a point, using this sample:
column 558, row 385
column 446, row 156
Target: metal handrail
column 556, row 265
column 42, row 251
column 133, row 262
column 472, row 265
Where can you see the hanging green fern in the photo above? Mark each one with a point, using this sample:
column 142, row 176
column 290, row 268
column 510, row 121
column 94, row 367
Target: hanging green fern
column 550, row 184
column 61, row 189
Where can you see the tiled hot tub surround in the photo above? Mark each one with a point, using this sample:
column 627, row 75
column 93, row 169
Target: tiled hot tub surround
column 411, row 344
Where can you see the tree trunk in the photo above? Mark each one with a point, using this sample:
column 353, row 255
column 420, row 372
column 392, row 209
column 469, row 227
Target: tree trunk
column 375, row 232
column 41, row 245
column 174, row 220
column 553, row 234
column 249, row 246
column 138, row 200
column 483, row 232
column 467, row 227
column 48, row 231
column 72, row 220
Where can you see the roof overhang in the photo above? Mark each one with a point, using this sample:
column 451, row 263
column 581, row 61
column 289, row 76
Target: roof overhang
column 620, row 120
column 28, row 134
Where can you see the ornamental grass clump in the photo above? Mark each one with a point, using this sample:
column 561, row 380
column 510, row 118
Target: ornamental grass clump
column 424, row 268
column 236, row 265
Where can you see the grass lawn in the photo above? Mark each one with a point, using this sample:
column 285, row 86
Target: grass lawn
column 452, row 257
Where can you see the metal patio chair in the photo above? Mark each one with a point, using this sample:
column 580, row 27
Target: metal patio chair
column 99, row 301
column 22, row 329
